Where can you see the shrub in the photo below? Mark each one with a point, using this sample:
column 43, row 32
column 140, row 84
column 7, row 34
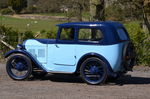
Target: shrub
column 17, row 5
column 51, row 34
column 116, row 14
column 141, row 41
column 6, row 11
column 31, row 9
column 12, row 37
column 28, row 35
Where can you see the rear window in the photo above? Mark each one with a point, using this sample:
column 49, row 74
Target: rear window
column 122, row 34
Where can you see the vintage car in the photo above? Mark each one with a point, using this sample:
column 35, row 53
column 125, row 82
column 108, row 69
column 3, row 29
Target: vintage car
column 95, row 50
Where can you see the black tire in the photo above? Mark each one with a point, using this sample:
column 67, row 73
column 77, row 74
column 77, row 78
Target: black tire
column 20, row 64
column 131, row 54
column 93, row 71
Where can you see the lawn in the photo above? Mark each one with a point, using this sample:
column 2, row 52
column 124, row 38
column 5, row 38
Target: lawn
column 34, row 25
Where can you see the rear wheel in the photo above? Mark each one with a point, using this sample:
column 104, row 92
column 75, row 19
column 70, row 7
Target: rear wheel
column 19, row 67
column 93, row 71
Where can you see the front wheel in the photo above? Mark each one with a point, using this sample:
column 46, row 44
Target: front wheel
column 19, row 67
column 93, row 71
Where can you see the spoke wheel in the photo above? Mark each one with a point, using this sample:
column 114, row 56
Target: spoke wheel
column 93, row 71
column 19, row 67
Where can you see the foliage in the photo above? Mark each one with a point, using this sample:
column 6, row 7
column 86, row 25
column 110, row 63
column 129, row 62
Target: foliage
column 17, row 5
column 28, row 35
column 12, row 37
column 45, row 6
column 49, row 34
column 70, row 8
column 141, row 41
column 136, row 10
column 31, row 9
column 116, row 14
column 3, row 4
column 6, row 11
column 77, row 8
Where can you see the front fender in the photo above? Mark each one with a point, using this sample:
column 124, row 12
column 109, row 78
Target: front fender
column 34, row 60
column 16, row 51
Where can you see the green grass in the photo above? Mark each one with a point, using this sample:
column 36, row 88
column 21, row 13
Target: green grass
column 34, row 25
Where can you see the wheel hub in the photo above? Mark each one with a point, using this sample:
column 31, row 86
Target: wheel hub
column 94, row 70
column 20, row 66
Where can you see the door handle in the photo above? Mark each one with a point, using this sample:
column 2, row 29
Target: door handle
column 56, row 45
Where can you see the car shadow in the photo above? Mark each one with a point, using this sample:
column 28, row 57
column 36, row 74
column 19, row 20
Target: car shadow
column 128, row 79
column 59, row 78
column 123, row 80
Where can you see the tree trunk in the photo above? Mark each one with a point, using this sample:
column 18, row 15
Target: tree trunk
column 145, row 18
column 97, row 10
column 80, row 12
column 100, row 11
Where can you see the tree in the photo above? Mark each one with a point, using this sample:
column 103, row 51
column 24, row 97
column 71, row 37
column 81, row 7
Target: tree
column 144, row 5
column 3, row 4
column 17, row 5
column 136, row 9
column 75, row 9
column 78, row 7
column 97, row 10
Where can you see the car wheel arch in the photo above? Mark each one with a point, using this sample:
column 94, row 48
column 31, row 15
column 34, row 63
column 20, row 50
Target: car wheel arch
column 88, row 55
column 34, row 62
column 22, row 54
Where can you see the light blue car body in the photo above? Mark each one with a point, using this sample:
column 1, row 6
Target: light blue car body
column 57, row 56
column 65, row 57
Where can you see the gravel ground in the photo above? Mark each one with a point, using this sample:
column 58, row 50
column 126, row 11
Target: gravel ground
column 133, row 85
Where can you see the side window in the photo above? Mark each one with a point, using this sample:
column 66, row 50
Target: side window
column 90, row 34
column 67, row 34
column 122, row 34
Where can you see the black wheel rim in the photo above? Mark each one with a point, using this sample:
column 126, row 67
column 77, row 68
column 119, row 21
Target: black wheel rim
column 93, row 71
column 18, row 67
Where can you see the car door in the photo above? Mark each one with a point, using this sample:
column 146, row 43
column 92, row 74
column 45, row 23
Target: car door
column 64, row 49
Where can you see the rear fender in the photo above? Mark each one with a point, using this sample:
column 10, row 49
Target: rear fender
column 34, row 60
column 109, row 69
